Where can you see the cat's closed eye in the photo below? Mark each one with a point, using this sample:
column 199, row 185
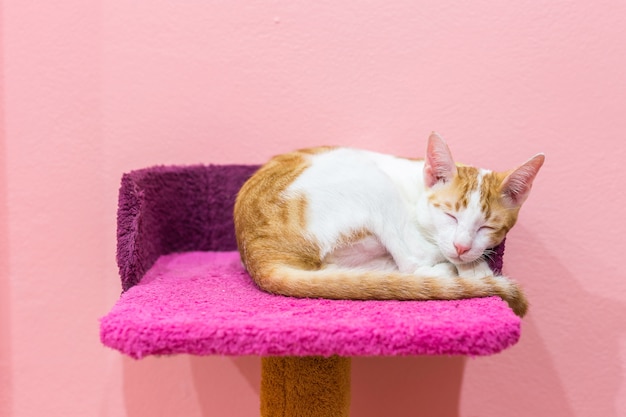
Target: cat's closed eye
column 451, row 216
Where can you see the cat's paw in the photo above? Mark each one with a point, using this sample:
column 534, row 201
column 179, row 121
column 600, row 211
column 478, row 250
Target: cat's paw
column 475, row 270
column 442, row 270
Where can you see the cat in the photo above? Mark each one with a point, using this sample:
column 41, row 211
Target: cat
column 344, row 223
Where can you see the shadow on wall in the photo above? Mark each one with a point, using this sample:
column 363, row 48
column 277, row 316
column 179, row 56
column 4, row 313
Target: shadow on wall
column 191, row 386
column 520, row 382
column 244, row 386
column 579, row 333
column 568, row 360
column 407, row 386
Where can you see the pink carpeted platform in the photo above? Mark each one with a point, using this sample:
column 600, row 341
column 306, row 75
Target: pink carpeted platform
column 204, row 303
column 186, row 291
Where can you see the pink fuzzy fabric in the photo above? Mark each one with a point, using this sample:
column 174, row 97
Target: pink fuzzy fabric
column 204, row 303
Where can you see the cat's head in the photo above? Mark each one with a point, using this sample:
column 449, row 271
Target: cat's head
column 472, row 209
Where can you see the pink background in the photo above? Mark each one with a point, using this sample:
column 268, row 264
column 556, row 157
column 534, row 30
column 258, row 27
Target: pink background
column 93, row 89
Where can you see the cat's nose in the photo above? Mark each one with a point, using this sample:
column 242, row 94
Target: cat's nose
column 461, row 249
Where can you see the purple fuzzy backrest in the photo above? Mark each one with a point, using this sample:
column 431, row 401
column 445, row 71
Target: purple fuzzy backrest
column 164, row 210
column 175, row 209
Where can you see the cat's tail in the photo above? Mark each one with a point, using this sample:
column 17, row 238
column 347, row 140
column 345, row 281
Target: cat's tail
column 379, row 285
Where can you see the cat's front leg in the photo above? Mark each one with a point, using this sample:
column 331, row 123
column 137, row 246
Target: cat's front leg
column 440, row 270
column 411, row 264
column 427, row 268
column 410, row 251
column 426, row 265
column 479, row 269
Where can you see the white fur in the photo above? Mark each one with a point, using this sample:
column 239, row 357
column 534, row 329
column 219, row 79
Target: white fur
column 349, row 190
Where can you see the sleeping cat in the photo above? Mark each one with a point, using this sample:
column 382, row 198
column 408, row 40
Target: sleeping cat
column 344, row 223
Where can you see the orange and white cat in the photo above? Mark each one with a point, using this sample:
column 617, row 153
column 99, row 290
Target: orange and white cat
column 345, row 223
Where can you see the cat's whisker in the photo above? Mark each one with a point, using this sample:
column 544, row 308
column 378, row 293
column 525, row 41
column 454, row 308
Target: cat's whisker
column 488, row 255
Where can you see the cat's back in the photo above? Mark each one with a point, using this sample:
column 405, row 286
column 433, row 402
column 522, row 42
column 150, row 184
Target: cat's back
column 347, row 159
column 354, row 171
column 325, row 173
column 320, row 175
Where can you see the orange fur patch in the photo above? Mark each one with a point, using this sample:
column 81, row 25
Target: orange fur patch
column 454, row 196
column 499, row 217
column 268, row 224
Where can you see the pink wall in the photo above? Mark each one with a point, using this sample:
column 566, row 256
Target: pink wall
column 94, row 89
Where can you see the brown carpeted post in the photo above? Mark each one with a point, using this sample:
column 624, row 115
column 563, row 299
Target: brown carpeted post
column 309, row 386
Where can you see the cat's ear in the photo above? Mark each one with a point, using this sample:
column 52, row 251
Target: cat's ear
column 516, row 186
column 439, row 165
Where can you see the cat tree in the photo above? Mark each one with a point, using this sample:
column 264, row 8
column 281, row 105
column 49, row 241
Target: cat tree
column 185, row 291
